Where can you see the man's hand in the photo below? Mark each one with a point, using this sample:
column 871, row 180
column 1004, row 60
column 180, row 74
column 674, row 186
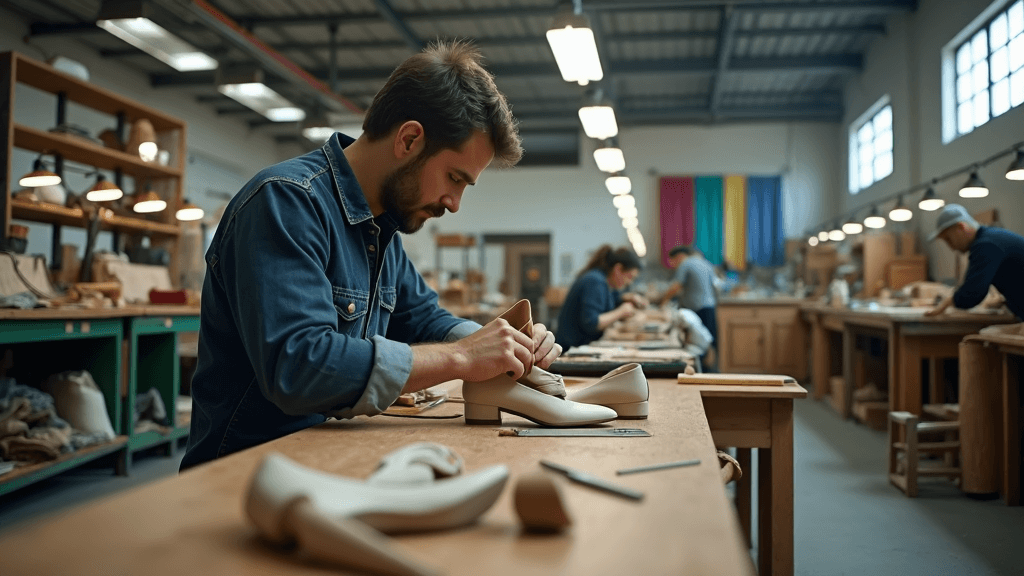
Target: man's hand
column 497, row 348
column 637, row 300
column 545, row 350
column 946, row 303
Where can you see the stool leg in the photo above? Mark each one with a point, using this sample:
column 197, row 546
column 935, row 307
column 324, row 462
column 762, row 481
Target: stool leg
column 912, row 457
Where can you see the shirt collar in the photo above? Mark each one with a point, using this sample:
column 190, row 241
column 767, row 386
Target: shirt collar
column 353, row 201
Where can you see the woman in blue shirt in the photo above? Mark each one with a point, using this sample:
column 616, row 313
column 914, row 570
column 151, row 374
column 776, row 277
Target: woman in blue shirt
column 595, row 301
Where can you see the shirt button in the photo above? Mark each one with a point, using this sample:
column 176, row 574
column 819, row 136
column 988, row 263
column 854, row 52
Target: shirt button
column 351, row 307
column 371, row 248
column 373, row 231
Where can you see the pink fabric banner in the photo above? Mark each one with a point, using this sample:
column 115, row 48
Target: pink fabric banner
column 676, row 195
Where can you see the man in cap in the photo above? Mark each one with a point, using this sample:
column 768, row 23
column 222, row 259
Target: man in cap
column 996, row 259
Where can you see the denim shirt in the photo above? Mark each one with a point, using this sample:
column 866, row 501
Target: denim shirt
column 309, row 306
column 589, row 297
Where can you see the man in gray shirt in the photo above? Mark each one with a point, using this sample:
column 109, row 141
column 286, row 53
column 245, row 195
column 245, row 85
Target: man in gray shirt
column 694, row 288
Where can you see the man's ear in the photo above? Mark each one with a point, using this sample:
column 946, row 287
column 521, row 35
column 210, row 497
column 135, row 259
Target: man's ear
column 409, row 140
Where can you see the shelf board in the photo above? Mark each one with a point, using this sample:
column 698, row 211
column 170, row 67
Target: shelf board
column 56, row 214
column 26, row 475
column 86, row 152
column 48, row 79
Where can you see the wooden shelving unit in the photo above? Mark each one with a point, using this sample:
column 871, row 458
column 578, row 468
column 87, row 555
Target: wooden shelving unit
column 162, row 229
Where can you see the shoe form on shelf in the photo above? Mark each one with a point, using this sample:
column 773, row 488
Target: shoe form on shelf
column 486, row 400
column 624, row 390
column 520, row 316
column 539, row 503
column 340, row 520
column 417, row 463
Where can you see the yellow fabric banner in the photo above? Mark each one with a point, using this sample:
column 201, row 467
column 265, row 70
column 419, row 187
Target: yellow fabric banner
column 735, row 228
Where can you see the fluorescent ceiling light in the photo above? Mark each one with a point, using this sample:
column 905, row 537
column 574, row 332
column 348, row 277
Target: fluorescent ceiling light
column 852, row 227
column 263, row 99
column 618, row 184
column 153, row 39
column 628, row 212
column 628, row 223
column 823, row 236
column 623, row 201
column 813, row 240
column 572, row 42
column 318, row 133
column 837, row 235
column 599, row 121
column 610, row 160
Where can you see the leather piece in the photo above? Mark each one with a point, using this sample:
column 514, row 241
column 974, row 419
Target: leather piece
column 520, row 316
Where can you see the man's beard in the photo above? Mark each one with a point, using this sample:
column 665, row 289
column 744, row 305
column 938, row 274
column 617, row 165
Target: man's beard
column 400, row 194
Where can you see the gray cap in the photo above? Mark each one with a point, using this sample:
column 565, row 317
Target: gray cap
column 952, row 214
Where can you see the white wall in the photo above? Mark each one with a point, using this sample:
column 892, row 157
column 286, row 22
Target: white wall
column 906, row 65
column 575, row 207
column 223, row 152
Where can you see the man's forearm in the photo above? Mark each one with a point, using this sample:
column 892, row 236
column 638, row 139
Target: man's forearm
column 433, row 364
column 674, row 289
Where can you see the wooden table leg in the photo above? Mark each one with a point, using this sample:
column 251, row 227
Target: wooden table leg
column 849, row 351
column 743, row 486
column 910, row 373
column 765, row 544
column 980, row 430
column 821, row 358
column 781, row 475
column 1011, row 430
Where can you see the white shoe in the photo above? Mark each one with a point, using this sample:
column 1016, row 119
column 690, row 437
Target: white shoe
column 336, row 519
column 485, row 401
column 624, row 390
column 417, row 463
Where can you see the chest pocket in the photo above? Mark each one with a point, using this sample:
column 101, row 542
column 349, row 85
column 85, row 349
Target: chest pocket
column 352, row 308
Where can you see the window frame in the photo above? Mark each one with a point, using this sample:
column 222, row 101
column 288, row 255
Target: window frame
column 950, row 100
column 854, row 185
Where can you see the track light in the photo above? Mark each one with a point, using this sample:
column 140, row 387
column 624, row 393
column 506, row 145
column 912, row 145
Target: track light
column 852, row 227
column 836, row 234
column 823, row 236
column 874, row 219
column 899, row 212
column 1016, row 169
column 974, row 187
column 813, row 240
column 930, row 202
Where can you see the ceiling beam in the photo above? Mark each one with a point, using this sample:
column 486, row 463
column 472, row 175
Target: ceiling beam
column 862, row 6
column 397, row 22
column 727, row 36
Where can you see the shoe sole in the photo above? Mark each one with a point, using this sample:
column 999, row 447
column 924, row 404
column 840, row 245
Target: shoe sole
column 492, row 422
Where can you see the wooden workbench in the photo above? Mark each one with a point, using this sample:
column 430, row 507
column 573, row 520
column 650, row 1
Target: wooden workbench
column 990, row 449
column 194, row 522
column 911, row 338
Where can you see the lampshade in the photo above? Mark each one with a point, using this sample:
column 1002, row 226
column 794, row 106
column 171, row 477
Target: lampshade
column 930, row 202
column 823, row 236
column 852, row 227
column 188, row 212
column 103, row 191
column 572, row 42
column 39, row 176
column 813, row 240
column 599, row 121
column 1016, row 169
column 974, row 187
column 618, row 184
column 836, row 234
column 623, row 201
column 610, row 159
column 142, row 140
column 899, row 212
column 148, row 202
column 874, row 219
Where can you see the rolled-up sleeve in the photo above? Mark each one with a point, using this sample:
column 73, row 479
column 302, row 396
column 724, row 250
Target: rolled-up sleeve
column 284, row 310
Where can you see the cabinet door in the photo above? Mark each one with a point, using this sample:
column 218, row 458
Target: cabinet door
column 788, row 344
column 744, row 346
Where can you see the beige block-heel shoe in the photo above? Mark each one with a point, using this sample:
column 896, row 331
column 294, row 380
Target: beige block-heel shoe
column 486, row 400
column 520, row 317
column 624, row 390
column 340, row 520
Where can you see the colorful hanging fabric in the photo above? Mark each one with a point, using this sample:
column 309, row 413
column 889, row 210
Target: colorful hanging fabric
column 735, row 232
column 765, row 236
column 677, row 227
column 708, row 217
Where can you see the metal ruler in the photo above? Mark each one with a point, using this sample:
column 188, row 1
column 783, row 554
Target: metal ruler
column 582, row 432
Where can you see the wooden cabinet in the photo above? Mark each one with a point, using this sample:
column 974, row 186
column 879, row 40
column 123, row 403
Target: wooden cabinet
column 130, row 172
column 762, row 337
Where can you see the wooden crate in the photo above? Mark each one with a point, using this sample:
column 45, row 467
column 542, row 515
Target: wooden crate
column 874, row 414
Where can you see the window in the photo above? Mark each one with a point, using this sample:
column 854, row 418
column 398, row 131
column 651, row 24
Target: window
column 984, row 69
column 871, row 146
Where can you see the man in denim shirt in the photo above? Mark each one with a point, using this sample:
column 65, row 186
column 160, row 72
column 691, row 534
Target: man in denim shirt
column 310, row 303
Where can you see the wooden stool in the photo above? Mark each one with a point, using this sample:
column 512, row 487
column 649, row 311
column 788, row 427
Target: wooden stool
column 913, row 428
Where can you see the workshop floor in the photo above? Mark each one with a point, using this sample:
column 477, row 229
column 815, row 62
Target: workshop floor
column 849, row 519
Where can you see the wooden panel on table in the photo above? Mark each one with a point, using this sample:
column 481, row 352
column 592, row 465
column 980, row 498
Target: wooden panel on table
column 787, row 344
column 909, row 384
column 980, row 411
column 744, row 346
column 739, row 423
column 1011, row 429
column 683, row 525
column 782, row 487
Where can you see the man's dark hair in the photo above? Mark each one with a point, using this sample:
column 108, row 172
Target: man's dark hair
column 606, row 257
column 448, row 91
column 680, row 250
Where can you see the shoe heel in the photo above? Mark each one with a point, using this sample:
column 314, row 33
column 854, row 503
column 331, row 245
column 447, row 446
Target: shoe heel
column 482, row 414
column 631, row 411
